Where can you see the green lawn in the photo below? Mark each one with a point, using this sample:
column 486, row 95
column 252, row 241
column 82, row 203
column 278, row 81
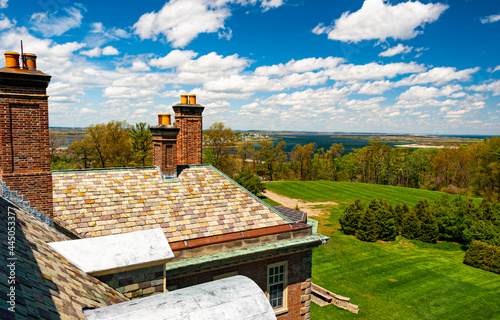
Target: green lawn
column 407, row 280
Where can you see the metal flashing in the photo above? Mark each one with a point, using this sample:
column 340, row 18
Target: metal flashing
column 102, row 255
column 230, row 298
column 219, row 259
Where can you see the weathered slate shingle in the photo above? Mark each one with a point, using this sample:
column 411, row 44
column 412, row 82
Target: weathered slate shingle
column 200, row 203
column 46, row 285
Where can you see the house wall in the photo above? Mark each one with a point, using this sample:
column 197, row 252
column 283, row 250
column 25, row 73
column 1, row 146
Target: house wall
column 299, row 280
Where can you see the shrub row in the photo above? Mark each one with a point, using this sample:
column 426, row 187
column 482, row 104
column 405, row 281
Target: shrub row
column 484, row 256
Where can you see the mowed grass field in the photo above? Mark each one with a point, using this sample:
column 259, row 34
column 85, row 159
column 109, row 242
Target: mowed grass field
column 399, row 280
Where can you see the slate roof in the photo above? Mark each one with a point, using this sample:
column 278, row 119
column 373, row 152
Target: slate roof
column 294, row 215
column 201, row 202
column 47, row 286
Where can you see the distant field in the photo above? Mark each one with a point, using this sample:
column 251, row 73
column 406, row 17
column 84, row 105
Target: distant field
column 392, row 280
column 341, row 192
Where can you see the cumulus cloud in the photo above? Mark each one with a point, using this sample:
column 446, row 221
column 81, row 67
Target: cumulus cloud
column 438, row 76
column 423, row 93
column 97, row 52
column 378, row 19
column 399, row 49
column 4, row 4
column 304, row 65
column 490, row 19
column 173, row 59
column 493, row 87
column 180, row 21
column 52, row 25
column 376, row 87
column 372, row 71
column 5, row 23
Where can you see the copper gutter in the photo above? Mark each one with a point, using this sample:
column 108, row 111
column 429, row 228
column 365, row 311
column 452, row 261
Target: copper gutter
column 194, row 243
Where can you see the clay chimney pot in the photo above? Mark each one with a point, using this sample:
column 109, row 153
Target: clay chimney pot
column 192, row 99
column 30, row 61
column 11, row 59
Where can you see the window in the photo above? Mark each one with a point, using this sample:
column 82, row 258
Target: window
column 276, row 285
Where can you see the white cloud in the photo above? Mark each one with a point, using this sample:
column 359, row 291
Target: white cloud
column 51, row 25
column 5, row 23
column 376, row 87
column 493, row 87
column 304, row 65
column 213, row 62
column 180, row 21
column 52, row 57
column 173, row 59
column 491, row 19
column 139, row 66
column 377, row 19
column 372, row 71
column 370, row 104
column 100, row 35
column 423, row 93
column 4, row 4
column 309, row 98
column 497, row 68
column 268, row 4
column 400, row 48
column 438, row 76
column 110, row 51
column 97, row 52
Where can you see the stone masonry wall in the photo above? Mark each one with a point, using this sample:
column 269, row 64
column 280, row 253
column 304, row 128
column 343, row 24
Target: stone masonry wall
column 299, row 280
column 137, row 283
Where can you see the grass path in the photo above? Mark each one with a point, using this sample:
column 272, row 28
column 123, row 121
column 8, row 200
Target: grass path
column 398, row 280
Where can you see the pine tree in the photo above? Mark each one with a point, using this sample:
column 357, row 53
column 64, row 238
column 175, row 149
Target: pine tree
column 350, row 217
column 368, row 229
column 410, row 226
column 429, row 229
column 386, row 221
column 399, row 212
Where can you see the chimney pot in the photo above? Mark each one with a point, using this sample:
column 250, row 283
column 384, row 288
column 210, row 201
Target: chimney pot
column 184, row 98
column 11, row 60
column 30, row 61
column 192, row 99
column 164, row 119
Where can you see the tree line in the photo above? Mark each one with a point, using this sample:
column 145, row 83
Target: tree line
column 460, row 220
column 473, row 170
column 113, row 144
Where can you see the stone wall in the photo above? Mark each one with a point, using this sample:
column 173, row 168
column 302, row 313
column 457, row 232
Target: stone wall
column 137, row 283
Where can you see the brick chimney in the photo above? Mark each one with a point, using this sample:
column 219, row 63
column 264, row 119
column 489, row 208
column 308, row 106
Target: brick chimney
column 24, row 131
column 189, row 120
column 165, row 145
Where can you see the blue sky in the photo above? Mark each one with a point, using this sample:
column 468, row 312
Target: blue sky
column 428, row 67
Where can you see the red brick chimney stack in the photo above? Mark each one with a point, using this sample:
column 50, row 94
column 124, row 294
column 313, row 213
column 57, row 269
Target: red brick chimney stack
column 24, row 132
column 189, row 120
column 165, row 145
